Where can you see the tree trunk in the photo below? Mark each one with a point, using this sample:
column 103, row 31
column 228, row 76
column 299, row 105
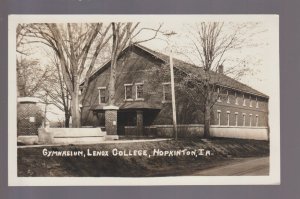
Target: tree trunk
column 75, row 109
column 112, row 81
column 207, row 121
column 67, row 120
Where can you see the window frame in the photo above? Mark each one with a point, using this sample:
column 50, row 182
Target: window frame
column 228, row 118
column 228, row 99
column 218, row 97
column 236, row 118
column 244, row 119
column 256, row 120
column 244, row 100
column 136, row 91
column 99, row 94
column 125, row 93
column 219, row 117
column 250, row 118
column 236, row 98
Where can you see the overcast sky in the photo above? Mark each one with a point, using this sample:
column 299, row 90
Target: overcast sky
column 263, row 56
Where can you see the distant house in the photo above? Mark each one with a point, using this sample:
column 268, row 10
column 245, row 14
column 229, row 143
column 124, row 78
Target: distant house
column 143, row 95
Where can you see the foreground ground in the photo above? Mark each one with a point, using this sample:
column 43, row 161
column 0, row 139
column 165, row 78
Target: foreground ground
column 227, row 157
column 239, row 167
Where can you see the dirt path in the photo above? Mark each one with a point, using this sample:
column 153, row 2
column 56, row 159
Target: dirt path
column 239, row 167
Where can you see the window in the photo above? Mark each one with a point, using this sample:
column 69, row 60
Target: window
column 219, row 117
column 228, row 99
column 256, row 121
column 167, row 96
column 219, row 97
column 244, row 100
column 256, row 103
column 250, row 120
column 250, row 99
column 236, row 118
column 228, row 118
column 139, row 91
column 244, row 119
column 236, row 98
column 102, row 91
column 128, row 92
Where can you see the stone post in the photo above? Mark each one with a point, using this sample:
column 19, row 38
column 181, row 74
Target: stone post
column 139, row 122
column 111, row 121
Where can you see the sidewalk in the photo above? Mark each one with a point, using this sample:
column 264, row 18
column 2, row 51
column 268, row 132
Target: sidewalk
column 104, row 142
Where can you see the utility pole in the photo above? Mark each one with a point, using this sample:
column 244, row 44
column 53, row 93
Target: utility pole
column 172, row 87
column 173, row 95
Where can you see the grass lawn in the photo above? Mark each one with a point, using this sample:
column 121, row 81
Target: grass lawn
column 32, row 162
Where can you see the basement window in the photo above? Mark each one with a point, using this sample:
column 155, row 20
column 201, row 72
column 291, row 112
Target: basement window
column 228, row 118
column 256, row 121
column 128, row 92
column 219, row 117
column 102, row 91
column 236, row 118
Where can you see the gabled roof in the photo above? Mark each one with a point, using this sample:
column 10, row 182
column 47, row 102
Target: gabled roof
column 218, row 78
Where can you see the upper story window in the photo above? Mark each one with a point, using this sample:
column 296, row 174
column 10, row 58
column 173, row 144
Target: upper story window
column 256, row 103
column 219, row 97
column 236, row 98
column 167, row 95
column 139, row 91
column 102, row 91
column 250, row 99
column 244, row 100
column 228, row 99
column 128, row 92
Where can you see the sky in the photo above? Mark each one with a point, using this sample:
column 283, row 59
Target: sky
column 262, row 58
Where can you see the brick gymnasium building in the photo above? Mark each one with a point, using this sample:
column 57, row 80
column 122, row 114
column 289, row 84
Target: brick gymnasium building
column 143, row 101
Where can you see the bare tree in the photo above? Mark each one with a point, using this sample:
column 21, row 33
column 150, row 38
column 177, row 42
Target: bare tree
column 30, row 75
column 72, row 43
column 57, row 94
column 212, row 42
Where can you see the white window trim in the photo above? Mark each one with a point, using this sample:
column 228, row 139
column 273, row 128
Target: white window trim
column 236, row 98
column 136, row 95
column 244, row 100
column 164, row 94
column 228, row 99
column 99, row 94
column 228, row 117
column 125, row 85
column 219, row 97
column 250, row 118
column 256, row 121
column 219, row 117
column 244, row 119
column 256, row 103
column 236, row 118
